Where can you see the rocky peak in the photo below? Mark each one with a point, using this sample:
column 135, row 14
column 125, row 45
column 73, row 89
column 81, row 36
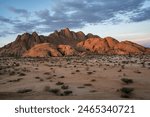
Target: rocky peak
column 26, row 34
column 18, row 38
column 90, row 35
column 66, row 33
column 56, row 34
column 22, row 37
column 66, row 29
column 34, row 34
column 67, row 42
column 80, row 35
column 36, row 37
column 56, row 31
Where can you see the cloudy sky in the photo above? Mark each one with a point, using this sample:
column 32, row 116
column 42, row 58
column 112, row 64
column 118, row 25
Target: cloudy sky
column 121, row 19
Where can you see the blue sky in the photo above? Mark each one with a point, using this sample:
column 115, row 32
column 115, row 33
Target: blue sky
column 121, row 19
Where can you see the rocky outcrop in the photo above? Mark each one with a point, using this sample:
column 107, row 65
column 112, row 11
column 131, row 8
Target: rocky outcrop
column 49, row 50
column 80, row 35
column 111, row 42
column 22, row 43
column 110, row 45
column 96, row 45
column 42, row 50
column 66, row 50
column 66, row 37
column 130, row 48
column 90, row 35
column 147, row 51
column 67, row 43
column 26, row 41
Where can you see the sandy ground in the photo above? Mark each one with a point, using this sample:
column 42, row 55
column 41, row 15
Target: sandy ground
column 89, row 77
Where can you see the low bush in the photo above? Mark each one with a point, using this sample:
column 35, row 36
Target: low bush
column 59, row 83
column 127, row 81
column 64, row 87
column 55, row 91
column 87, row 84
column 127, row 90
column 24, row 90
column 68, row 92
column 22, row 74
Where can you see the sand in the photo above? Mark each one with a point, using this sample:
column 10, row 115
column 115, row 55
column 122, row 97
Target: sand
column 89, row 77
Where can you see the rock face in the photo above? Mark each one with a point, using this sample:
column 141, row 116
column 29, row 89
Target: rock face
column 130, row 48
column 42, row 50
column 66, row 50
column 21, row 44
column 111, row 42
column 66, row 37
column 94, row 45
column 110, row 45
column 26, row 41
column 49, row 50
column 68, row 43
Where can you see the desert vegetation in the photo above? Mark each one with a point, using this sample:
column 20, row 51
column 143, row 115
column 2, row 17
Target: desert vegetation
column 76, row 77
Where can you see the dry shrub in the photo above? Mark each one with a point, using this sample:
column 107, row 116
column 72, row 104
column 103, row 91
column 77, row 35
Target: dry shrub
column 59, row 83
column 68, row 92
column 24, row 90
column 127, row 81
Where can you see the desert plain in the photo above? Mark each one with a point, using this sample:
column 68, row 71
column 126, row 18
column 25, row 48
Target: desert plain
column 92, row 77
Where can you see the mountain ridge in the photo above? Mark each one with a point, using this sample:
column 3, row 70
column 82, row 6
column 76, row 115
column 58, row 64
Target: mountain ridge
column 68, row 43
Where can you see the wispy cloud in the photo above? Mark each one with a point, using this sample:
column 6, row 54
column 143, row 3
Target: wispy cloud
column 22, row 12
column 77, row 14
column 5, row 20
column 142, row 15
column 5, row 33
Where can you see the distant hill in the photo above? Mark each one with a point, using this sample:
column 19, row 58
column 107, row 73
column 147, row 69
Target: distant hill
column 68, row 43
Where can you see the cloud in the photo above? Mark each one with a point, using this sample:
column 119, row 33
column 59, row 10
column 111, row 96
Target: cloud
column 5, row 20
column 56, row 21
column 94, row 11
column 23, row 27
column 142, row 15
column 9, row 20
column 77, row 14
column 43, row 14
column 22, row 12
column 5, row 33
